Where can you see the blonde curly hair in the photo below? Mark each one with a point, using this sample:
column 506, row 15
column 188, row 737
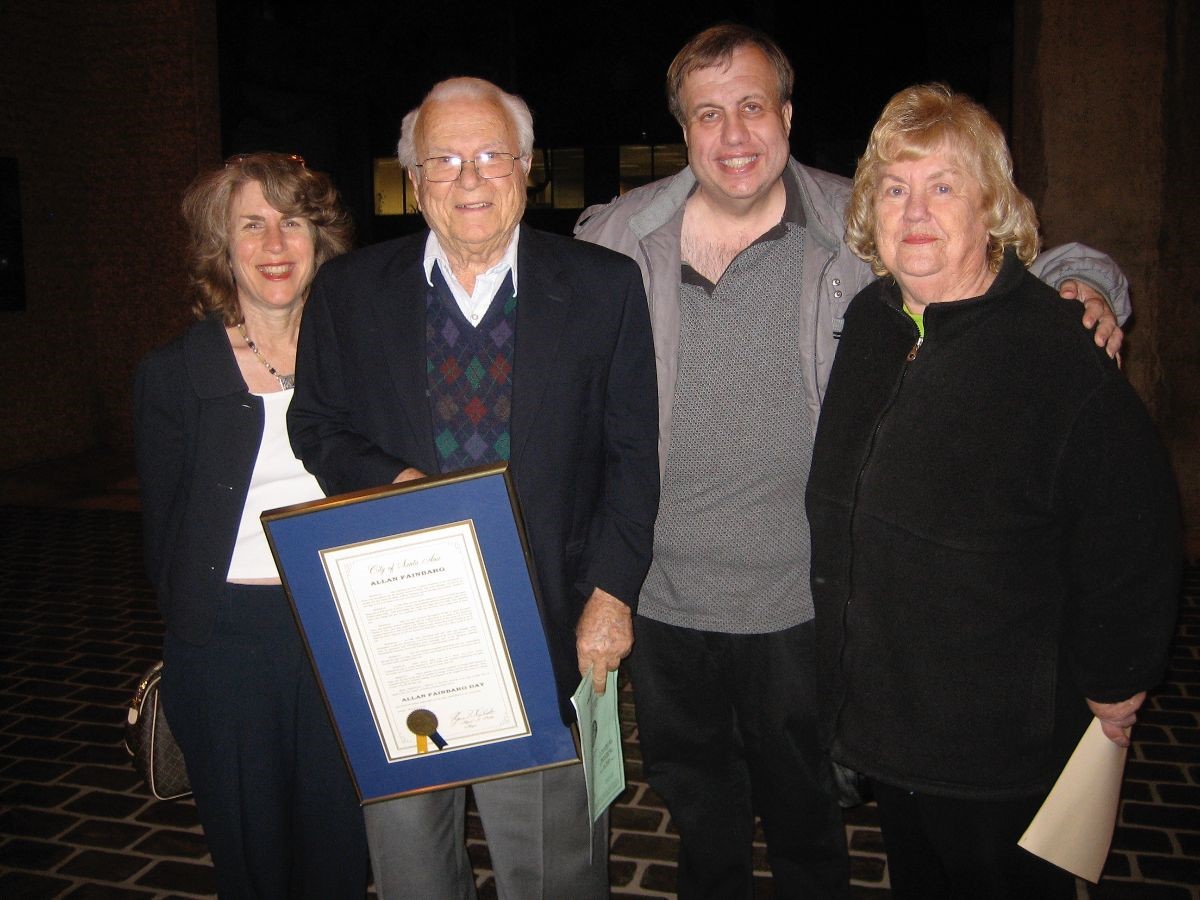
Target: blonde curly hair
column 924, row 119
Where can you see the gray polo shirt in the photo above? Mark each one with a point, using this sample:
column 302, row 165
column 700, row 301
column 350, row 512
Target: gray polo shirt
column 731, row 544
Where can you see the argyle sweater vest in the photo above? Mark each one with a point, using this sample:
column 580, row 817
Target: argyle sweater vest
column 469, row 370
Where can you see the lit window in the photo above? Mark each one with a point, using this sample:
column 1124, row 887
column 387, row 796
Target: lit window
column 644, row 163
column 556, row 178
column 394, row 195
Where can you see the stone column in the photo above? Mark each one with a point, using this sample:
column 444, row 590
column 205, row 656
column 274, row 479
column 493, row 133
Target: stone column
column 1106, row 144
column 110, row 110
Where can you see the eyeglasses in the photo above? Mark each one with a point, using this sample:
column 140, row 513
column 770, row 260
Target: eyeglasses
column 488, row 164
column 238, row 158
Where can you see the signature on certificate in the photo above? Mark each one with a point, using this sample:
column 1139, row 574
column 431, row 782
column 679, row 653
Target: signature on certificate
column 469, row 719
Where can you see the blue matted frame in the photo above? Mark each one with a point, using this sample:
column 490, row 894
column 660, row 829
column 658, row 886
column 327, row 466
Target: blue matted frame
column 484, row 495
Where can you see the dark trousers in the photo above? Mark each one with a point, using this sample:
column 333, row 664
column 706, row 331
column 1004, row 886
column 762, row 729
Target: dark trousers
column 940, row 848
column 728, row 728
column 278, row 808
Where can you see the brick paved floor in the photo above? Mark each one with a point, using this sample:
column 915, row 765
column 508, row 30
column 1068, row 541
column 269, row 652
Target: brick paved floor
column 78, row 626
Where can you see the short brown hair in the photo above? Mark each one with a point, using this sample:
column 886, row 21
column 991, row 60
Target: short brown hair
column 290, row 187
column 716, row 46
column 919, row 121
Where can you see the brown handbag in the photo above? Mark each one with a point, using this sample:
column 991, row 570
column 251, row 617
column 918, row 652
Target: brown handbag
column 148, row 738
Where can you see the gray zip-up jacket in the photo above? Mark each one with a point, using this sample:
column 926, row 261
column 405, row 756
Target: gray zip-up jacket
column 646, row 224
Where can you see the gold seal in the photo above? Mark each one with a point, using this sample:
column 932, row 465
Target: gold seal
column 422, row 722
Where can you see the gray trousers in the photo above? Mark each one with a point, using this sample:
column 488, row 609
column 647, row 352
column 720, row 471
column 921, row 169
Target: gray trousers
column 537, row 833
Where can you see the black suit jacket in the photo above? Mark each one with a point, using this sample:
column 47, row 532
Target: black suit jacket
column 196, row 430
column 584, row 407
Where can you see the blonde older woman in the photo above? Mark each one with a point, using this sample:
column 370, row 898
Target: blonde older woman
column 279, row 811
column 994, row 524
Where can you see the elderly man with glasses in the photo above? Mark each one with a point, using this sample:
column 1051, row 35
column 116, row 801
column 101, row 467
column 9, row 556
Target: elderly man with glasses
column 480, row 341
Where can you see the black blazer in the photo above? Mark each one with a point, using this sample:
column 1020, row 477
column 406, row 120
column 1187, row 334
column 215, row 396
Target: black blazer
column 196, row 432
column 584, row 407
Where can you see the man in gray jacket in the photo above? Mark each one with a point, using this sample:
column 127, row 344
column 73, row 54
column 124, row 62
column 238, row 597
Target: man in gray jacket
column 748, row 279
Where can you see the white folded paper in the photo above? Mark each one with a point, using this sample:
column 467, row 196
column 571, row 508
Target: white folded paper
column 1074, row 828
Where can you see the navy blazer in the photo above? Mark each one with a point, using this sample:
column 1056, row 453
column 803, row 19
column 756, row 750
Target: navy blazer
column 584, row 408
column 196, row 432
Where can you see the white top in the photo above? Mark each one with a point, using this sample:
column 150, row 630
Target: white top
column 279, row 479
column 475, row 304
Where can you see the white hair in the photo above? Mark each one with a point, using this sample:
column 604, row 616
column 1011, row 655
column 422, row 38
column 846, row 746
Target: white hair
column 471, row 89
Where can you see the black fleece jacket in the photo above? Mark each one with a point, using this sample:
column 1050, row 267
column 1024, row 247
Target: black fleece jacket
column 995, row 538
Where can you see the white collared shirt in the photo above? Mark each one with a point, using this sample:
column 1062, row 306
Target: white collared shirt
column 474, row 305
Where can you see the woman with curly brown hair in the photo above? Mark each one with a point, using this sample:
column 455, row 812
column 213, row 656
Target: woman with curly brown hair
column 278, row 808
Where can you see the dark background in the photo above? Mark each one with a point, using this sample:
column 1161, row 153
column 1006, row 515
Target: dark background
column 331, row 81
column 110, row 109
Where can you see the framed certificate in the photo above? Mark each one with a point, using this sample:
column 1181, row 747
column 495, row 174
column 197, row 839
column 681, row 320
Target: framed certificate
column 420, row 615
